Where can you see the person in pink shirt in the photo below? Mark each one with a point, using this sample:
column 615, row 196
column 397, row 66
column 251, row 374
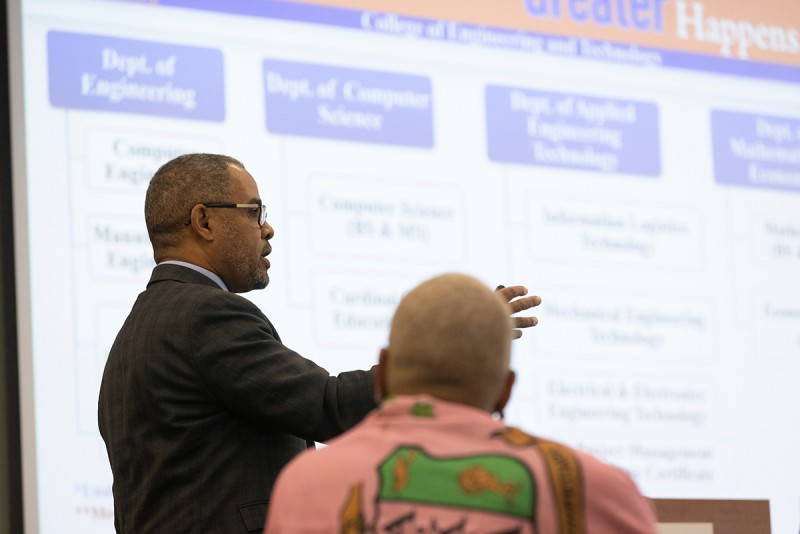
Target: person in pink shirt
column 432, row 458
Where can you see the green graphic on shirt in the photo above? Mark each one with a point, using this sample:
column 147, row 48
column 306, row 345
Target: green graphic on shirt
column 422, row 409
column 493, row 483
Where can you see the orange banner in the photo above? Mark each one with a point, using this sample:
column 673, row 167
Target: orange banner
column 757, row 30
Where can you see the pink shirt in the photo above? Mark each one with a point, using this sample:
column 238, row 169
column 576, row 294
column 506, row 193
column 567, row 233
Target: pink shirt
column 422, row 465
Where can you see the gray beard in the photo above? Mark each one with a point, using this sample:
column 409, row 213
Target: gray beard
column 252, row 272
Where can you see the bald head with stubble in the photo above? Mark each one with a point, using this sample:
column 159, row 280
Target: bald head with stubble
column 450, row 338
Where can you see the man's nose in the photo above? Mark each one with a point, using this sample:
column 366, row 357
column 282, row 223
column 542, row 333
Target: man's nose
column 267, row 230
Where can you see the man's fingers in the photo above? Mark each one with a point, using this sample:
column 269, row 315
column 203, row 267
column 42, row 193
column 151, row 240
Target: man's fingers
column 518, row 302
column 512, row 292
column 525, row 303
column 525, row 322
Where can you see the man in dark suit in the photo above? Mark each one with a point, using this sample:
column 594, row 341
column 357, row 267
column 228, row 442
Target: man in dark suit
column 201, row 404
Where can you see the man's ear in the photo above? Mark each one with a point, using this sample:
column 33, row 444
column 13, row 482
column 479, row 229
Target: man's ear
column 505, row 393
column 200, row 223
column 381, row 391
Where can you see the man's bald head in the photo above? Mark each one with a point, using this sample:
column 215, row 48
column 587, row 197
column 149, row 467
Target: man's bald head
column 450, row 338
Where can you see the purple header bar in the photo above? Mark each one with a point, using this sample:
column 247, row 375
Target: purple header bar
column 756, row 150
column 122, row 75
column 572, row 131
column 349, row 104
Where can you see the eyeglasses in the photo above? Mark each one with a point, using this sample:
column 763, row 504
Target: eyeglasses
column 258, row 211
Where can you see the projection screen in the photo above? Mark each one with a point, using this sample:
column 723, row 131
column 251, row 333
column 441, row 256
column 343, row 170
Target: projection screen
column 634, row 162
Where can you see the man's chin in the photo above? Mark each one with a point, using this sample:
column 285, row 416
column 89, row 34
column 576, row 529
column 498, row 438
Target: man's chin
column 262, row 282
column 256, row 282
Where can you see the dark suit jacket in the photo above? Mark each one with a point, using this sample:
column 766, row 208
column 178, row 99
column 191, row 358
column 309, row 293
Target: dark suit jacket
column 201, row 405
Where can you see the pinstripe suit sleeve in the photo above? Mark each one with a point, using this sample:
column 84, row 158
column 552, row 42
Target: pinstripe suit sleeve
column 246, row 368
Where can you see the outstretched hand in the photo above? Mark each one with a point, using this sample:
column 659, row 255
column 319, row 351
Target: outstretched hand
column 515, row 296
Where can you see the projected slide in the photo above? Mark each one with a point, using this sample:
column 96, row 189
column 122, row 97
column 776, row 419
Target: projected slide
column 635, row 163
